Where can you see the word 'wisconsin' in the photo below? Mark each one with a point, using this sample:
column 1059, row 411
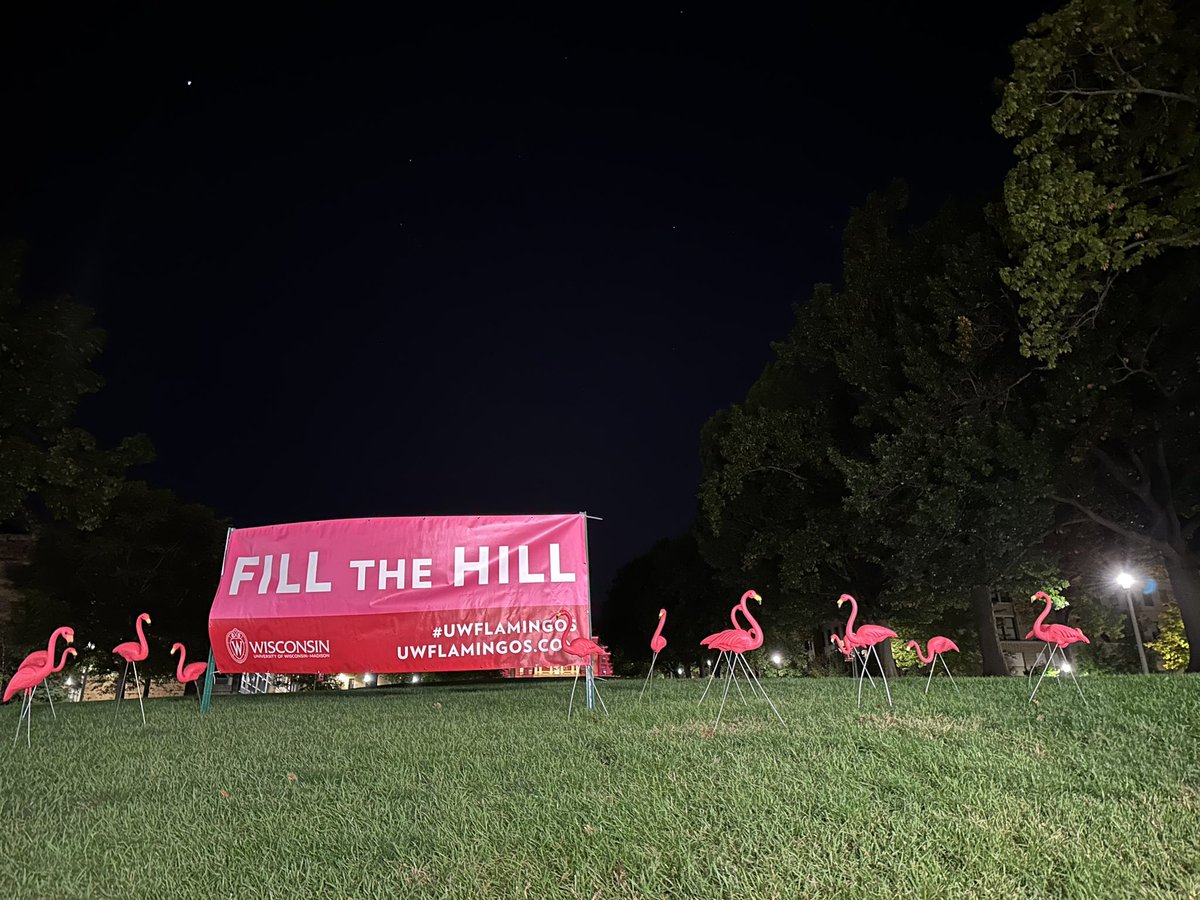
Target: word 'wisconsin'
column 271, row 574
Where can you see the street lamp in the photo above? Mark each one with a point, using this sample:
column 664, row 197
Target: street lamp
column 777, row 658
column 1126, row 582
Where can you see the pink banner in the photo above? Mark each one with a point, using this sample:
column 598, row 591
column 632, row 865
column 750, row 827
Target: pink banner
column 400, row 594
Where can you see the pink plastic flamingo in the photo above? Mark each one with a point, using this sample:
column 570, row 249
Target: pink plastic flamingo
column 864, row 640
column 133, row 652
column 585, row 649
column 935, row 648
column 190, row 672
column 734, row 636
column 37, row 658
column 657, row 643
column 1057, row 638
column 25, row 682
column 733, row 643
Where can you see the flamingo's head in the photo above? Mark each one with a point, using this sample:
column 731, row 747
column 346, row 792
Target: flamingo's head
column 842, row 599
column 72, row 651
column 144, row 617
column 662, row 613
column 751, row 595
column 913, row 645
column 177, row 646
column 69, row 635
column 1040, row 595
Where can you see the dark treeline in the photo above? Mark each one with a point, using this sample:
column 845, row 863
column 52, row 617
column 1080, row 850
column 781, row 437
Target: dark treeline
column 1003, row 397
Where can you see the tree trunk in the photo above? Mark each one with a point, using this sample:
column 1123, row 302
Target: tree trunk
column 985, row 624
column 1185, row 585
column 884, row 649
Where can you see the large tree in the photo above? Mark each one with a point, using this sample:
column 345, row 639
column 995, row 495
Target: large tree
column 150, row 552
column 48, row 466
column 1103, row 104
column 1122, row 416
column 954, row 480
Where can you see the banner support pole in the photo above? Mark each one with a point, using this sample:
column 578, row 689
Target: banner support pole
column 210, row 673
column 589, row 685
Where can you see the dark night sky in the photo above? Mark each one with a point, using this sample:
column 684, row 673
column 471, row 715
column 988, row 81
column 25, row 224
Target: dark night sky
column 463, row 263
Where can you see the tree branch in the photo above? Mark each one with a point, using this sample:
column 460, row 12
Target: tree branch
column 1140, row 490
column 1116, row 92
column 1161, row 546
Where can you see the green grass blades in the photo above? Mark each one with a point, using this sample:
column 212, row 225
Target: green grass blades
column 489, row 792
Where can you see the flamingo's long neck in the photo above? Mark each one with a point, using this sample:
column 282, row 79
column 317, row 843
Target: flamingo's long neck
column 58, row 632
column 1037, row 625
column 921, row 656
column 853, row 615
column 755, row 630
column 141, row 636
column 62, row 662
column 179, row 668
column 662, row 620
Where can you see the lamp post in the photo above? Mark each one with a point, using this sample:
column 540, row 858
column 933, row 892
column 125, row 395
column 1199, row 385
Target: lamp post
column 1126, row 581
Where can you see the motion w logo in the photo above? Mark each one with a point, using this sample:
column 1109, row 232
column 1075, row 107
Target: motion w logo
column 238, row 645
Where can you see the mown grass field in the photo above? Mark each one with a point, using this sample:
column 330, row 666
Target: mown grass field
column 488, row 791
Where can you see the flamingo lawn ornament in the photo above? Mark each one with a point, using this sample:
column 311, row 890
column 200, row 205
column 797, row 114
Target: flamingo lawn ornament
column 190, row 672
column 1057, row 638
column 657, row 642
column 734, row 642
column 585, row 649
column 935, row 648
column 864, row 641
column 25, row 682
column 132, row 652
column 721, row 640
column 38, row 658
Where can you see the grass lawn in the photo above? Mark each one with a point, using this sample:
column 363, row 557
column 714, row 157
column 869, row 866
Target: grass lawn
column 488, row 791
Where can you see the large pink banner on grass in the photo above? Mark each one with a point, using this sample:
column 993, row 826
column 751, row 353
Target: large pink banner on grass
column 418, row 594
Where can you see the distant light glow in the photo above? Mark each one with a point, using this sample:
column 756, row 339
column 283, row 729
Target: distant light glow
column 777, row 658
column 368, row 678
column 416, row 679
column 1125, row 580
column 70, row 681
column 1065, row 667
column 679, row 671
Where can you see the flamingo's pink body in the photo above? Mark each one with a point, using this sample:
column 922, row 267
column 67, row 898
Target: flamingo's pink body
column 935, row 646
column 135, row 651
column 866, row 635
column 24, row 681
column 1060, row 635
column 187, row 673
column 657, row 642
column 581, row 646
column 737, row 639
column 37, row 658
column 865, row 638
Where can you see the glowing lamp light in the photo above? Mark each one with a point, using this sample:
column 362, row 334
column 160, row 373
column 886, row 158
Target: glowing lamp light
column 368, row 678
column 416, row 679
column 70, row 681
column 777, row 658
column 1065, row 667
column 679, row 671
column 1125, row 580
